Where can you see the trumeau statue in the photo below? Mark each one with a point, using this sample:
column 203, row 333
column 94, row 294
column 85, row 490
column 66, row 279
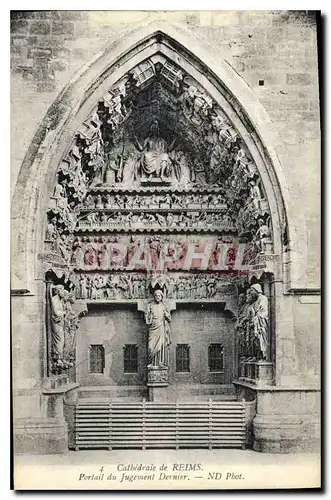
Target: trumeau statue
column 158, row 319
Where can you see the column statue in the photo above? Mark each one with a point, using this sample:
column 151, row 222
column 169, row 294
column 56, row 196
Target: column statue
column 259, row 319
column 158, row 319
column 70, row 331
column 57, row 294
column 63, row 329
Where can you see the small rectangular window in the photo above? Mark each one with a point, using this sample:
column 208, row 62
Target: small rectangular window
column 182, row 358
column 216, row 358
column 97, row 358
column 130, row 358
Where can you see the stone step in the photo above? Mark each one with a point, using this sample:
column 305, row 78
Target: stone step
column 181, row 392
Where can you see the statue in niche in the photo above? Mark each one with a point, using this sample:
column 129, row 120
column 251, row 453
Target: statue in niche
column 57, row 335
column 157, row 318
column 70, row 330
column 255, row 196
column 258, row 322
column 82, row 287
column 114, row 168
column 58, row 190
column 97, row 161
column 262, row 236
column 108, row 201
column 63, row 246
column 198, row 174
column 51, row 230
column 154, row 161
column 99, row 202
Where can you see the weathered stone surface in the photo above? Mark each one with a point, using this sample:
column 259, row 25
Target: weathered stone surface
column 276, row 47
column 298, row 79
column 40, row 28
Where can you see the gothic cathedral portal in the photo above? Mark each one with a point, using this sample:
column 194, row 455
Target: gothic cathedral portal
column 158, row 213
column 161, row 253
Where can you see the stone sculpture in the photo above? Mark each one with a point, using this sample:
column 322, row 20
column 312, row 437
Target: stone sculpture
column 154, row 161
column 63, row 328
column 259, row 319
column 157, row 318
column 57, row 294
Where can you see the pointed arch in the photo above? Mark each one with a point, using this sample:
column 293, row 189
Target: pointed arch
column 53, row 137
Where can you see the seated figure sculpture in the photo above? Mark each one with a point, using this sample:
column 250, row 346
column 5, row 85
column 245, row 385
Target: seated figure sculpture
column 154, row 162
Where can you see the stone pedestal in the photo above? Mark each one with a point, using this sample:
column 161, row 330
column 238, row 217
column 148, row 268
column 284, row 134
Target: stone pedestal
column 157, row 382
column 250, row 370
column 257, row 372
column 42, row 436
column 242, row 369
column 284, row 420
column 49, row 433
column 264, row 373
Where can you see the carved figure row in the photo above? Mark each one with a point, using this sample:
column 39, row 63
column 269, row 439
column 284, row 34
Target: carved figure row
column 96, row 158
column 179, row 221
column 157, row 252
column 168, row 200
column 136, row 286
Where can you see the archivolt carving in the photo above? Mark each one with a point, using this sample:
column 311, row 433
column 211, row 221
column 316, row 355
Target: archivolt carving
column 115, row 147
column 157, row 156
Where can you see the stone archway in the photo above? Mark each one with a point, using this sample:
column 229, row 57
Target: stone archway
column 81, row 141
column 159, row 189
column 73, row 105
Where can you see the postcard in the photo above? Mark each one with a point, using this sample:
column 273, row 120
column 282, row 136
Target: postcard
column 165, row 286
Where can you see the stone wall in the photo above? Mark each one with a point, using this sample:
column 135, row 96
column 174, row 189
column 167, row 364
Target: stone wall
column 115, row 327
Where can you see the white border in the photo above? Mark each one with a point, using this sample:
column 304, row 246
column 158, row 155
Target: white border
column 4, row 197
